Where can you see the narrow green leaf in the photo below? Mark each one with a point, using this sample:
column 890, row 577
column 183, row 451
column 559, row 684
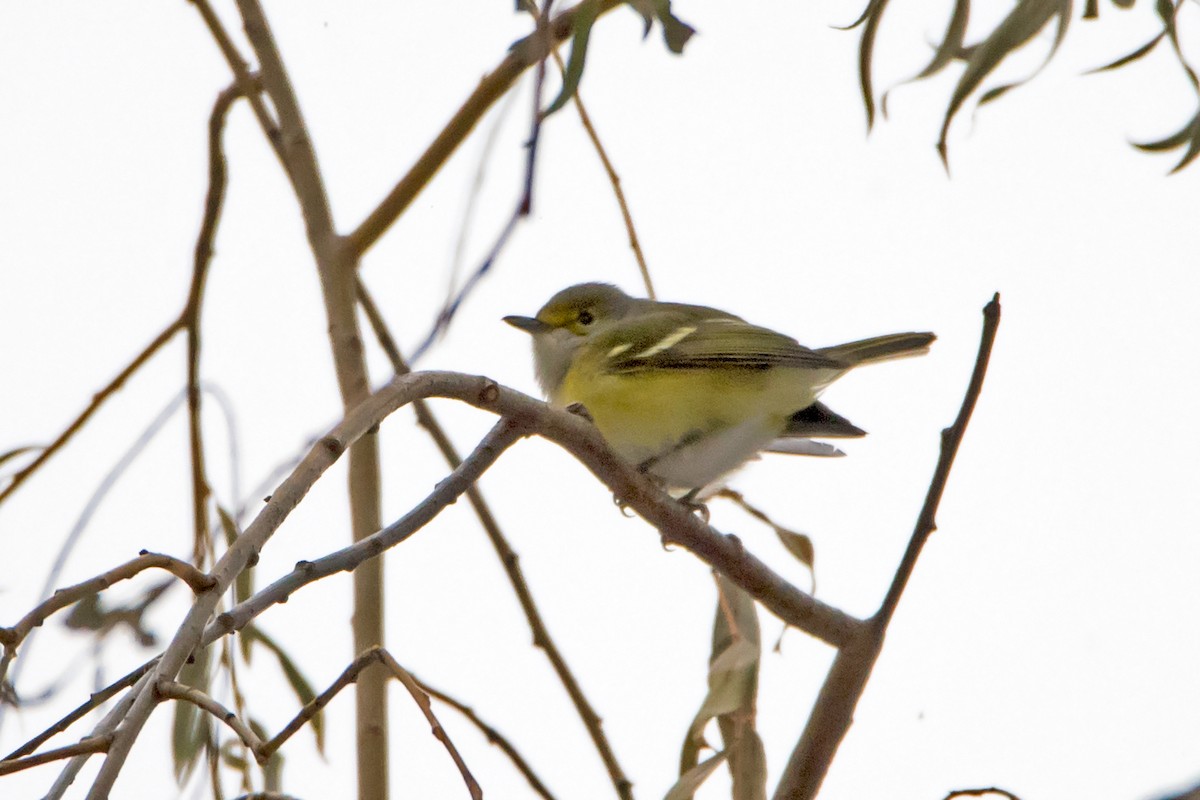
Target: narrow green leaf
column 1014, row 31
column 676, row 32
column 295, row 678
column 953, row 42
column 1173, row 141
column 191, row 727
column 866, row 48
column 996, row 92
column 691, row 780
column 1129, row 59
column 646, row 10
column 584, row 17
column 861, row 18
column 747, row 765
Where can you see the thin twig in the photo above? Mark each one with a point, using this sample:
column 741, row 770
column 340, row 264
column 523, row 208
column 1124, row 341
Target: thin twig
column 614, row 180
column 86, row 515
column 245, row 79
column 106, row 727
column 581, row 439
column 336, row 267
column 171, row 690
column 93, row 702
column 493, row 86
column 12, row 637
column 493, row 736
column 313, row 707
column 524, row 415
column 97, row 744
column 349, row 558
column 834, row 710
column 508, row 557
column 98, row 399
column 376, row 655
column 439, row 733
column 215, row 199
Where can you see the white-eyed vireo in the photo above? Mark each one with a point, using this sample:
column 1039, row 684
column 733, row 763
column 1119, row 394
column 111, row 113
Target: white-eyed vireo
column 689, row 393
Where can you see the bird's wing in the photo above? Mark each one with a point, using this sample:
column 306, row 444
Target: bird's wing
column 688, row 339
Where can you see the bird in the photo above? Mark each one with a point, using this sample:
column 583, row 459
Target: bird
column 687, row 393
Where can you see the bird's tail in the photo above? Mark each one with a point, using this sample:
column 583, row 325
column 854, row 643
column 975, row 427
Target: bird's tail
column 880, row 348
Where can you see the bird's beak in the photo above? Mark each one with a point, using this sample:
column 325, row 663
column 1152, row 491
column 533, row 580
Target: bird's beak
column 530, row 325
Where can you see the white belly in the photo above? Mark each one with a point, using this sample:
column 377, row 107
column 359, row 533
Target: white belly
column 713, row 456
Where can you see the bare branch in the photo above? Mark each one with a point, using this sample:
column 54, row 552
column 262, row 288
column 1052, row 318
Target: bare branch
column 614, row 179
column 834, row 710
column 106, row 727
column 217, row 181
column 93, row 702
column 439, row 733
column 313, row 707
column 245, row 80
column 349, row 558
column 493, row 736
column 12, row 637
column 171, row 690
column 336, row 267
column 523, row 415
column 98, row 399
column 508, row 557
column 95, row 744
column 581, row 439
column 493, row 86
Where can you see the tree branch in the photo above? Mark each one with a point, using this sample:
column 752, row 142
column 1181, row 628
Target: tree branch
column 508, row 557
column 97, row 400
column 11, row 638
column 171, row 690
column 493, row 736
column 834, row 710
column 490, row 89
column 336, row 266
column 95, row 744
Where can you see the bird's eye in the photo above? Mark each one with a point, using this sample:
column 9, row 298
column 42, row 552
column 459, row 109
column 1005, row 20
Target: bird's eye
column 586, row 318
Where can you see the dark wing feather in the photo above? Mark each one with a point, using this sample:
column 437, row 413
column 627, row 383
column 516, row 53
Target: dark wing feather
column 686, row 338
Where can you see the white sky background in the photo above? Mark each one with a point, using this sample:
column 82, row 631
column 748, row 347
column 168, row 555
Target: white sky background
column 1047, row 641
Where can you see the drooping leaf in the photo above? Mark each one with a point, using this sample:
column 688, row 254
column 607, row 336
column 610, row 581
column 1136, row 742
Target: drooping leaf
column 676, row 32
column 1014, row 31
column 691, row 780
column 191, row 728
column 585, row 16
column 866, row 47
column 1128, row 59
column 732, row 675
column 295, row 678
column 747, row 761
column 1189, row 135
column 737, row 621
column 798, row 545
column 953, row 42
